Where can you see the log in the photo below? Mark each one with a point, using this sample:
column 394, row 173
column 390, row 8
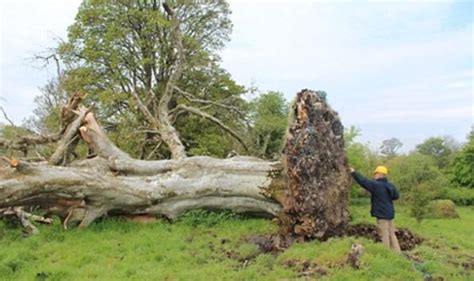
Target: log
column 115, row 183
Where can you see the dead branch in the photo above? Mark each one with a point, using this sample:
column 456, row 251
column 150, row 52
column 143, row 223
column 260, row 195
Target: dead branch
column 60, row 155
column 6, row 117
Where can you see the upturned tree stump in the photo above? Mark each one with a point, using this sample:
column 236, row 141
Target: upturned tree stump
column 317, row 169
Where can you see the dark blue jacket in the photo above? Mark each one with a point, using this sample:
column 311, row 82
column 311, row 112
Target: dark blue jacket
column 382, row 194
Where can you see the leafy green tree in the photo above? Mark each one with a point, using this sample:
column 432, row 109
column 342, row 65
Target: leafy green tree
column 350, row 134
column 419, row 198
column 409, row 171
column 390, row 147
column 47, row 113
column 11, row 132
column 463, row 165
column 269, row 117
column 360, row 157
column 419, row 181
column 437, row 148
column 150, row 65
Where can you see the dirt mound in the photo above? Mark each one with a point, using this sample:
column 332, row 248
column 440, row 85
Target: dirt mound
column 406, row 238
column 442, row 209
column 276, row 243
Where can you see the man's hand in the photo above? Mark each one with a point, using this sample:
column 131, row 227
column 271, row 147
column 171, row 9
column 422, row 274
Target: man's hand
column 352, row 170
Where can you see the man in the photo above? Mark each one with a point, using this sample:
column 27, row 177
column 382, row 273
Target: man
column 383, row 193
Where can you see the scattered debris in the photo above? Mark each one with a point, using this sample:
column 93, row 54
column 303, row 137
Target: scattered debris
column 406, row 238
column 20, row 216
column 273, row 243
column 353, row 257
column 306, row 268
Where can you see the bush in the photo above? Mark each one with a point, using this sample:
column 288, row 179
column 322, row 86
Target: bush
column 440, row 209
column 460, row 196
column 463, row 165
column 419, row 198
column 409, row 171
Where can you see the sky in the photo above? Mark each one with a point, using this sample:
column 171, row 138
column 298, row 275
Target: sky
column 394, row 69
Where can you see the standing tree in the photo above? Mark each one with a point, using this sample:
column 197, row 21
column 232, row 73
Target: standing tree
column 148, row 64
column 463, row 164
column 270, row 119
column 389, row 147
column 437, row 148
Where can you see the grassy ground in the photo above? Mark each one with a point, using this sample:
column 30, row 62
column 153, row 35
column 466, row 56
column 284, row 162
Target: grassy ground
column 206, row 246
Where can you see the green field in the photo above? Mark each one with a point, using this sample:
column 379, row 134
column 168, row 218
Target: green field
column 213, row 246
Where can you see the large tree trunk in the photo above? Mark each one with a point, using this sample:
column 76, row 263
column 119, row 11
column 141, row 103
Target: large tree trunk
column 113, row 182
column 91, row 189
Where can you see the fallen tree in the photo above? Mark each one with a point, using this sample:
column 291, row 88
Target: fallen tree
column 115, row 183
column 307, row 190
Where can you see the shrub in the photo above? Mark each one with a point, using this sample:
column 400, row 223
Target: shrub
column 440, row 209
column 460, row 196
column 463, row 165
column 409, row 171
column 419, row 197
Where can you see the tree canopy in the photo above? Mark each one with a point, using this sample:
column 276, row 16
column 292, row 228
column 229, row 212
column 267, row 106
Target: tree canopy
column 437, row 148
column 151, row 64
column 463, row 164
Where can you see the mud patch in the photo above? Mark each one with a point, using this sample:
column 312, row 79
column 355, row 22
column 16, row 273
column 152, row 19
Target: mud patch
column 276, row 243
column 407, row 239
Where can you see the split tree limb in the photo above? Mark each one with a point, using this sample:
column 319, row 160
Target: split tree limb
column 60, row 155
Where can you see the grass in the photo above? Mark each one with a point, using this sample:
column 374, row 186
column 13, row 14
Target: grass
column 210, row 246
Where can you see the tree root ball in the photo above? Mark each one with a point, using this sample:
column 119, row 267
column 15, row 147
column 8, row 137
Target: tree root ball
column 317, row 169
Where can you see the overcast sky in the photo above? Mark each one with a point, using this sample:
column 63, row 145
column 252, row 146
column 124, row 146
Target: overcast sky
column 395, row 69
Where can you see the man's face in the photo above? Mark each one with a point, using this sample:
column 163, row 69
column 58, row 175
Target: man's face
column 378, row 176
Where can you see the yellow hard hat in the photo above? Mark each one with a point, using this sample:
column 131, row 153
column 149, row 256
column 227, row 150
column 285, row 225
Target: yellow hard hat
column 381, row 170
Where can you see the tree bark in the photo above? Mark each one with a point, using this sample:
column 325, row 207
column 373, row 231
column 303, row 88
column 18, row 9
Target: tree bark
column 166, row 188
